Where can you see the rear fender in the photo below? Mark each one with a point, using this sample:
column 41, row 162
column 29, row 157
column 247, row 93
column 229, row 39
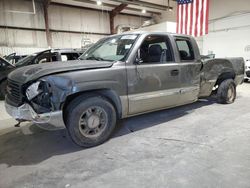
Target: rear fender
column 213, row 73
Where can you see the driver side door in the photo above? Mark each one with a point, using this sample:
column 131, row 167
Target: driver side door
column 154, row 83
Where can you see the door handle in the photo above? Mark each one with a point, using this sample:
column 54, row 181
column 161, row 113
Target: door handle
column 174, row 72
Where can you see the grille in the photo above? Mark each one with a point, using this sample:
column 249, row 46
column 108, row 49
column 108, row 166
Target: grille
column 14, row 91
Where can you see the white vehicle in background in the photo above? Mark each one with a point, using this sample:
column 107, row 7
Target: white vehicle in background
column 247, row 70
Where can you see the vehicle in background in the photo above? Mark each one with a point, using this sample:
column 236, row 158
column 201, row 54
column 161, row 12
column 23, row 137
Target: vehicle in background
column 4, row 67
column 46, row 56
column 14, row 58
column 118, row 77
column 247, row 71
column 4, row 63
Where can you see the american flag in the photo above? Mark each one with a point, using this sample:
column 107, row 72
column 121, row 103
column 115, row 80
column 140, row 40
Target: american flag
column 192, row 17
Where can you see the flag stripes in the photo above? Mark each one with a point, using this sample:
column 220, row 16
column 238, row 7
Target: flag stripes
column 192, row 17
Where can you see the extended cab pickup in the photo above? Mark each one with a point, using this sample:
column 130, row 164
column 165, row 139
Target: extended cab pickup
column 120, row 76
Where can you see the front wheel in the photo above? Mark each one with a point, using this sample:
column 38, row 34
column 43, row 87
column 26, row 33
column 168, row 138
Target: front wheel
column 226, row 93
column 90, row 121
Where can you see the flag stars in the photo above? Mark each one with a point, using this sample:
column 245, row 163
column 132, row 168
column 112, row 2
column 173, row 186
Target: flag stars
column 184, row 1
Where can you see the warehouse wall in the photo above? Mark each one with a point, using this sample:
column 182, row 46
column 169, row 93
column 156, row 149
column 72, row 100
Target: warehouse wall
column 23, row 40
column 229, row 29
column 82, row 23
column 169, row 16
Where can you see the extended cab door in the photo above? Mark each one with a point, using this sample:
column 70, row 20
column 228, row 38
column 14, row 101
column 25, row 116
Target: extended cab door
column 190, row 66
column 153, row 80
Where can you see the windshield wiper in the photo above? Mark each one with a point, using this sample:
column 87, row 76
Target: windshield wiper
column 95, row 58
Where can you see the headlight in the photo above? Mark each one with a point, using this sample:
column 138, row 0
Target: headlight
column 33, row 90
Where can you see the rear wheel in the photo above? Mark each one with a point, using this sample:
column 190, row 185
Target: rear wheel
column 226, row 93
column 3, row 86
column 90, row 121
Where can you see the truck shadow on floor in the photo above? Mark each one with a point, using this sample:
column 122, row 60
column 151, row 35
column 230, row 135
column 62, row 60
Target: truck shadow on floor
column 30, row 145
column 148, row 120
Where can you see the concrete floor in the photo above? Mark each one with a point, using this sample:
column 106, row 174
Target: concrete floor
column 204, row 144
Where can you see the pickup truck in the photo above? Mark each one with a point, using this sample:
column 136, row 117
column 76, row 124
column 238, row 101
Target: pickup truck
column 118, row 77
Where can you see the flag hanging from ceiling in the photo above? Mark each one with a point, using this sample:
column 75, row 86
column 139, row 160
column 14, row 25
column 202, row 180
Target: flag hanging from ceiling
column 192, row 17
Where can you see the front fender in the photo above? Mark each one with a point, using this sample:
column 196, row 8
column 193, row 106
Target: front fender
column 63, row 88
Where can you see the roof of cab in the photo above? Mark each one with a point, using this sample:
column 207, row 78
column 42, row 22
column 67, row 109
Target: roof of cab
column 152, row 32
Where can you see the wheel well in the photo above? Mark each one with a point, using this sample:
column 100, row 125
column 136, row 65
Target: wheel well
column 108, row 94
column 224, row 76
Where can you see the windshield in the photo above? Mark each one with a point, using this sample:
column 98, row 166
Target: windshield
column 25, row 60
column 110, row 49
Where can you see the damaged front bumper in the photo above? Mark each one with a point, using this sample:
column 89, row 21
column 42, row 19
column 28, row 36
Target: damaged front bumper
column 48, row 121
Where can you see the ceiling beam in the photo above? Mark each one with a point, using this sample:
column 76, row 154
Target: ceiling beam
column 113, row 6
column 118, row 9
column 144, row 4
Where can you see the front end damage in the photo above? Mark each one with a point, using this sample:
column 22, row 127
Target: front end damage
column 41, row 102
column 48, row 121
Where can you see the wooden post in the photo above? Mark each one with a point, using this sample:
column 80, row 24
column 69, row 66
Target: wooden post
column 112, row 15
column 46, row 20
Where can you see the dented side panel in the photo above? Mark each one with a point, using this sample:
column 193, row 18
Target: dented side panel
column 213, row 69
column 190, row 81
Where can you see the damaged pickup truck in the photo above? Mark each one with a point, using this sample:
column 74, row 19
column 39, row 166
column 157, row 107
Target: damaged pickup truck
column 118, row 77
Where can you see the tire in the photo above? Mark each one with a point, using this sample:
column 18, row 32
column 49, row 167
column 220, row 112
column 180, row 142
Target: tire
column 3, row 91
column 226, row 92
column 245, row 79
column 90, row 121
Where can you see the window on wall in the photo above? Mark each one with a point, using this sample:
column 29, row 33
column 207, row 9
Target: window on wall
column 155, row 49
column 185, row 49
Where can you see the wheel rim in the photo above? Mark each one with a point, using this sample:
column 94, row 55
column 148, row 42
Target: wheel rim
column 93, row 122
column 231, row 93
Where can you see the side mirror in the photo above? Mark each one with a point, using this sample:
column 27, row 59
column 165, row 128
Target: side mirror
column 138, row 59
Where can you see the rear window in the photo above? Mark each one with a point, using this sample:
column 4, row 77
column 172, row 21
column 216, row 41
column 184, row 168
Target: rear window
column 185, row 49
column 155, row 49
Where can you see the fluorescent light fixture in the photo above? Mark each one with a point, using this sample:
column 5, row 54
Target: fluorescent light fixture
column 99, row 3
column 143, row 11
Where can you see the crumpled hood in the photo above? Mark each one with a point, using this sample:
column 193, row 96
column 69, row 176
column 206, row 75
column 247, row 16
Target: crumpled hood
column 33, row 72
